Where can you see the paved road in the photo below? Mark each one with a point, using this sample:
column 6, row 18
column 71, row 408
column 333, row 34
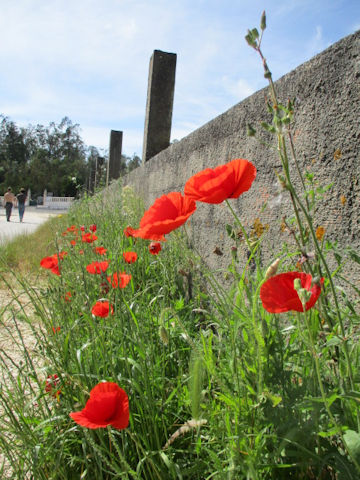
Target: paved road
column 33, row 217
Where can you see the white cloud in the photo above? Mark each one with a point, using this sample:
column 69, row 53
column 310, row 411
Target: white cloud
column 89, row 60
column 239, row 89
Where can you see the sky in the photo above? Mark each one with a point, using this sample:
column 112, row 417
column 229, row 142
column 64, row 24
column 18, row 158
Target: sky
column 89, row 59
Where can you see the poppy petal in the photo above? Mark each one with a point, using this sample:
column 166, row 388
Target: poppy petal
column 166, row 214
column 278, row 294
column 222, row 182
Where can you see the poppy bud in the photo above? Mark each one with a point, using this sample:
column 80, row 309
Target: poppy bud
column 263, row 21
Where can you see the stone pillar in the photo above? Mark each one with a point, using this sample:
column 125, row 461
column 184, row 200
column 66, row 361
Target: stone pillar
column 159, row 104
column 28, row 198
column 114, row 164
column 44, row 197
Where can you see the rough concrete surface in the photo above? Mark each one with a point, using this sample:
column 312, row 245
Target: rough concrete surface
column 326, row 132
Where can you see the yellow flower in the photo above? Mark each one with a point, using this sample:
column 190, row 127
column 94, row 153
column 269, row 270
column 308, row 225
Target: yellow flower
column 337, row 154
column 320, row 231
column 343, row 199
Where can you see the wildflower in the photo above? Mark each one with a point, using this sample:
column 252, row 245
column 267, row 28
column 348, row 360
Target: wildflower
column 166, row 214
column 55, row 329
column 51, row 263
column 81, row 252
column 128, row 231
column 119, row 280
column 73, row 242
column 320, row 231
column 97, row 267
column 67, row 297
column 130, row 257
column 278, row 294
column 154, row 248
column 100, row 250
column 72, row 229
column 88, row 237
column 93, row 228
column 51, row 384
column 337, row 154
column 108, row 405
column 82, row 228
column 102, row 309
column 218, row 184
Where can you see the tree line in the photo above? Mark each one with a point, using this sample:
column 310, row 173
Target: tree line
column 52, row 157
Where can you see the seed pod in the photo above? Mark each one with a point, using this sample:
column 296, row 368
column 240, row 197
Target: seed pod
column 271, row 271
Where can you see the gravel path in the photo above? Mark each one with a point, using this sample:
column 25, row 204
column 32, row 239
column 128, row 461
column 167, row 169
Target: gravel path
column 33, row 218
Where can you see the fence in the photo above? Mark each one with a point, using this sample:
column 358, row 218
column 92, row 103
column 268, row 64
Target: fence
column 57, row 203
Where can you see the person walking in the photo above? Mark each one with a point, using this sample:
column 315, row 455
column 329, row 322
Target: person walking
column 21, row 198
column 9, row 201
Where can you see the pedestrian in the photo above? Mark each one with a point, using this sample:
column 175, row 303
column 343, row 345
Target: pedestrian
column 9, row 201
column 21, row 198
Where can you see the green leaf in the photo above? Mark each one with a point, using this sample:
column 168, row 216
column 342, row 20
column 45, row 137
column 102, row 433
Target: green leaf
column 352, row 440
column 230, row 231
column 354, row 256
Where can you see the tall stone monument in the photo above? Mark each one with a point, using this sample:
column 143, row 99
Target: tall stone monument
column 113, row 170
column 159, row 105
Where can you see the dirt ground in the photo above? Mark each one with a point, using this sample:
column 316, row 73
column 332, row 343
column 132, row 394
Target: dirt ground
column 9, row 349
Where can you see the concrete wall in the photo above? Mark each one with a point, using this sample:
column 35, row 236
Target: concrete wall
column 327, row 134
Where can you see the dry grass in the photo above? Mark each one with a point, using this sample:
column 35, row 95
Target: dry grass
column 24, row 252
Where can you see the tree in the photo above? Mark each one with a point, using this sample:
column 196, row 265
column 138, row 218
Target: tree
column 14, row 155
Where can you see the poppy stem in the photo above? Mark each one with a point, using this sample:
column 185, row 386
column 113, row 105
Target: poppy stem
column 321, row 386
column 240, row 225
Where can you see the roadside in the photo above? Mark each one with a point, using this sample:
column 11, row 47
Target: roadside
column 33, row 218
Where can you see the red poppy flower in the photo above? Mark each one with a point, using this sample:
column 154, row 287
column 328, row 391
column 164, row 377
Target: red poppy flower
column 51, row 263
column 67, row 297
column 128, row 231
column 51, row 384
column 62, row 255
column 82, row 228
column 81, row 252
column 63, row 234
column 100, row 250
column 92, row 228
column 108, row 405
column 278, row 294
column 218, row 184
column 55, row 329
column 166, row 214
column 119, row 280
column 73, row 242
column 73, row 228
column 88, row 237
column 130, row 257
column 102, row 309
column 154, row 248
column 97, row 267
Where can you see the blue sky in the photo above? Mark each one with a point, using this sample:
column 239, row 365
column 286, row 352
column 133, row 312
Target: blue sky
column 89, row 59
